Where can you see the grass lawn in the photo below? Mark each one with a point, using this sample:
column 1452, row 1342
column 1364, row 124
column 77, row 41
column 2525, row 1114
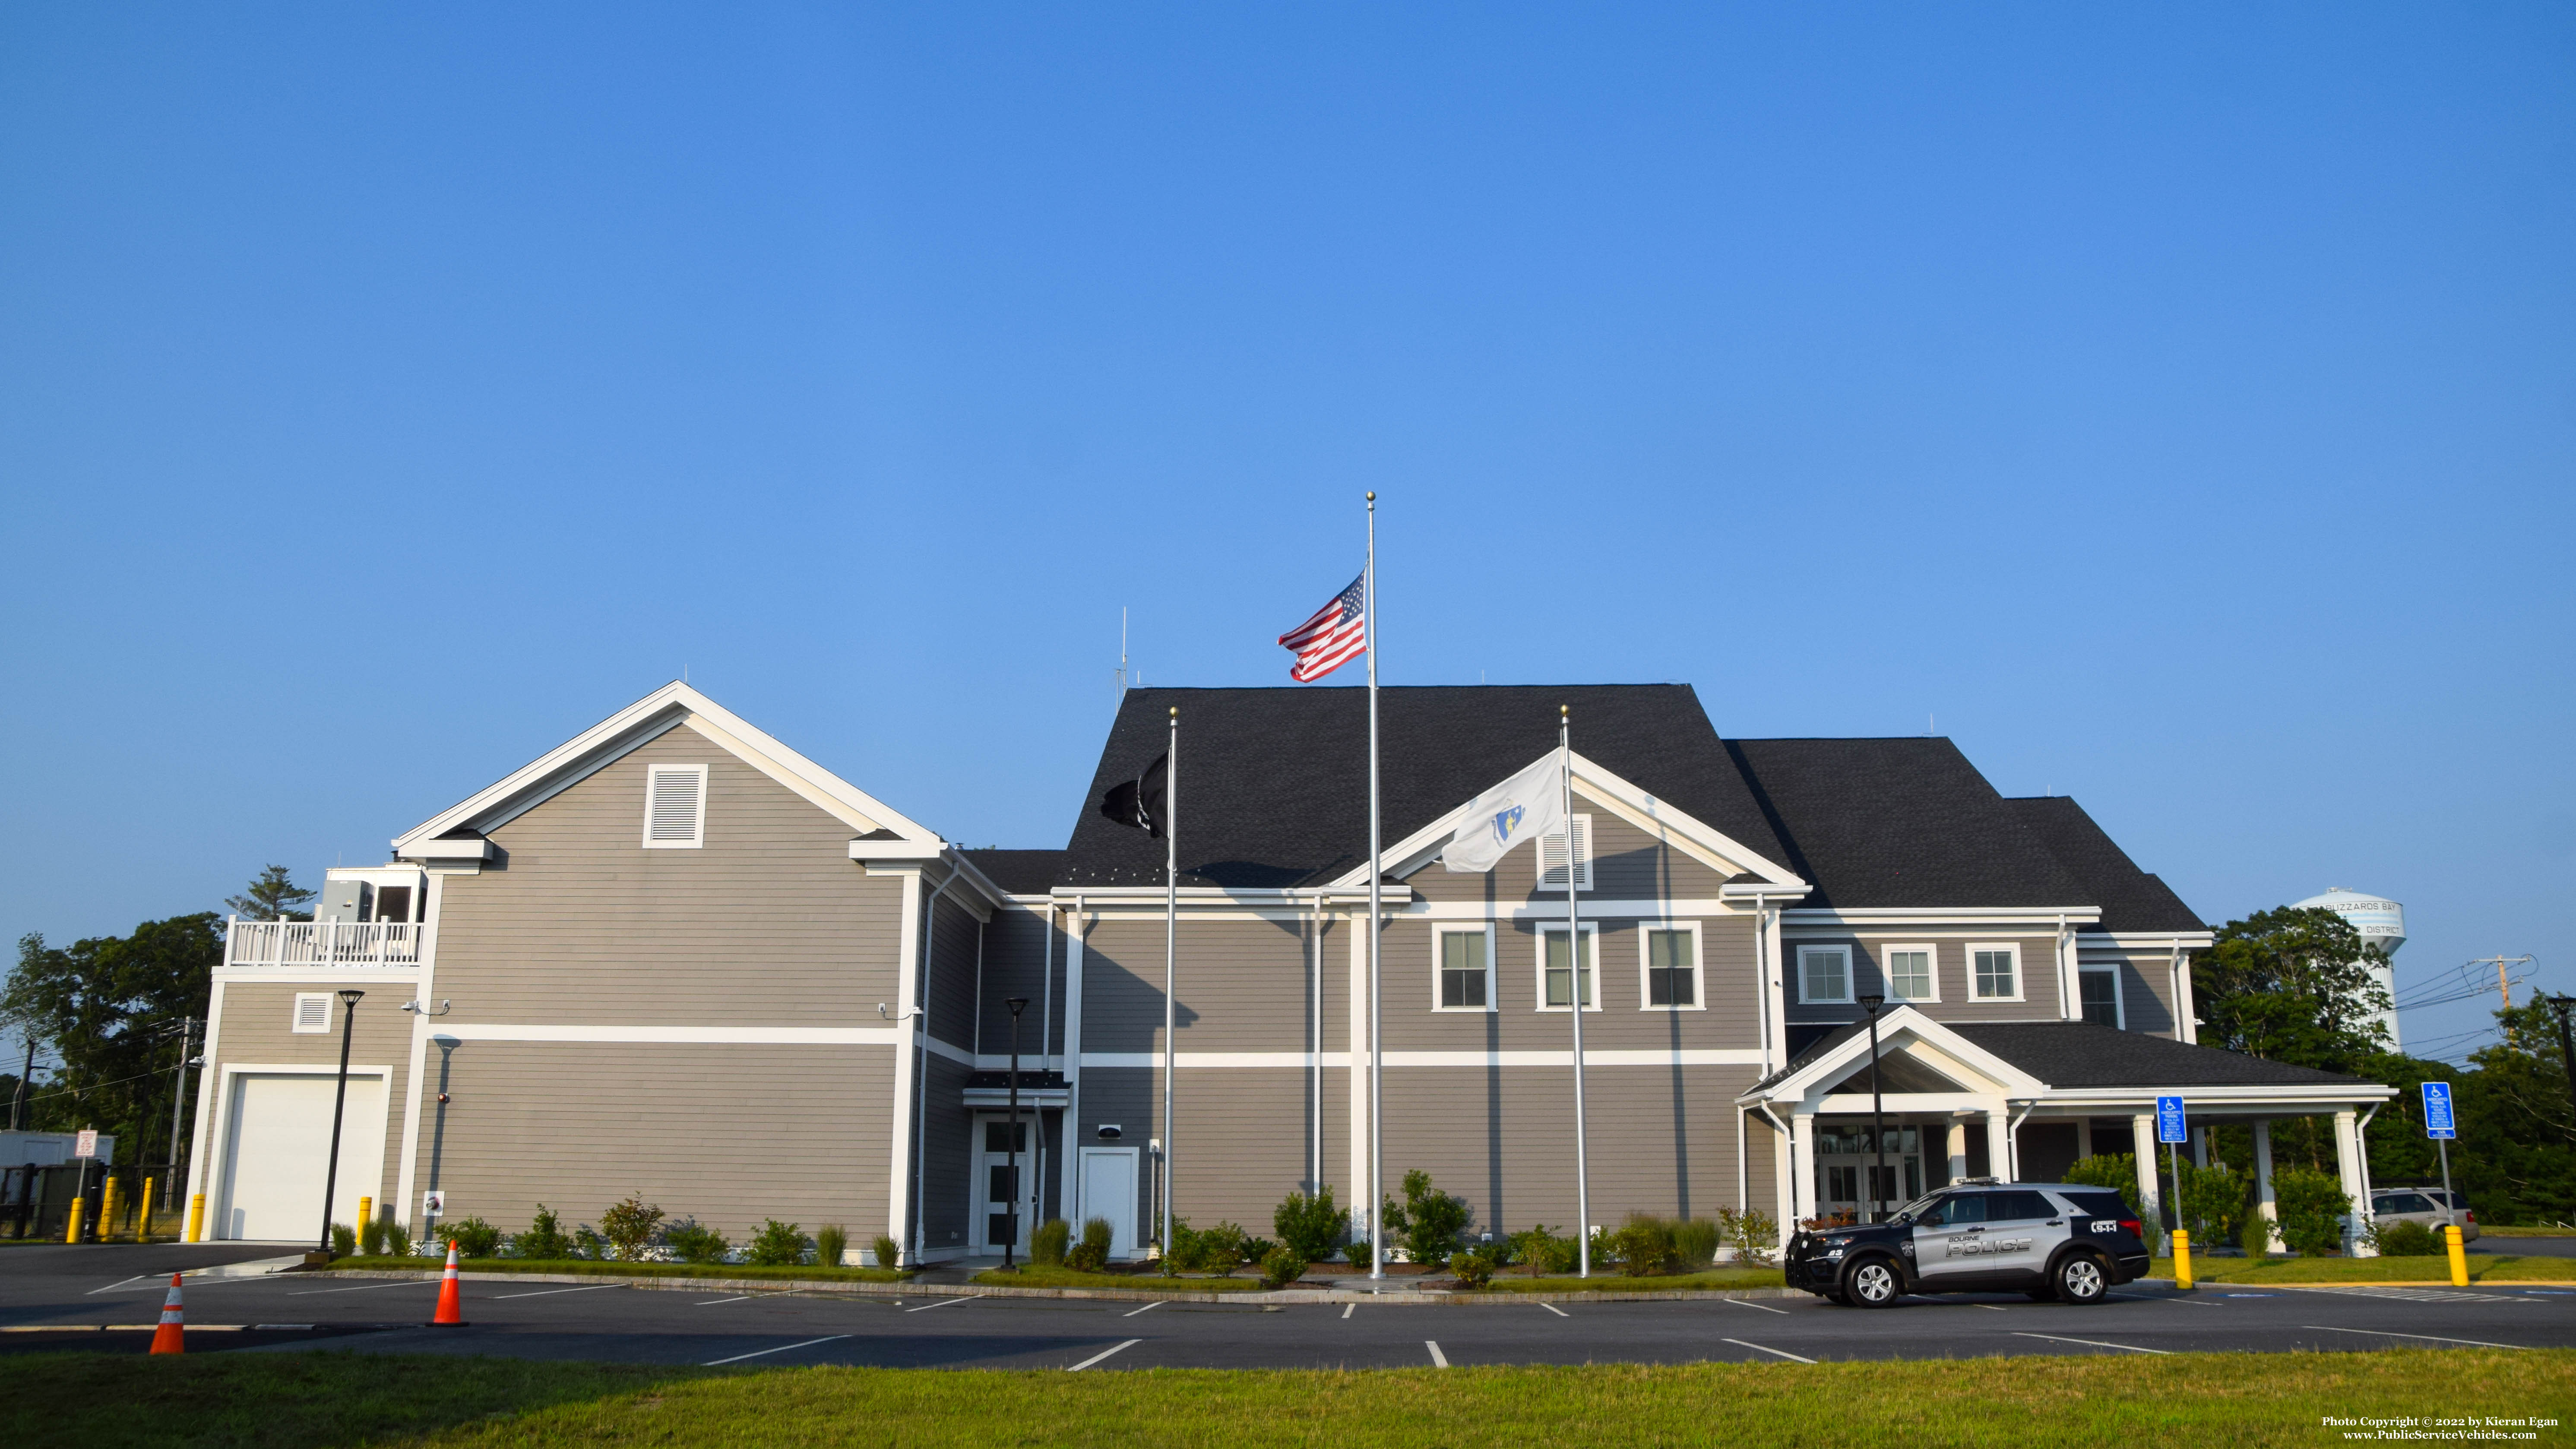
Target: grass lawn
column 1612, row 1282
column 2514, row 1232
column 2366, row 1270
column 289, row 1401
column 810, row 1271
column 1034, row 1275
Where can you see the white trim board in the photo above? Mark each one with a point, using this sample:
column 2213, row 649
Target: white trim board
column 1592, row 1057
column 675, row 1035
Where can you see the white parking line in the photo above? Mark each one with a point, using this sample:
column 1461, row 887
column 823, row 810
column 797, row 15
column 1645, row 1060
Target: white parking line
column 1148, row 1308
column 543, row 1292
column 1748, row 1303
column 1104, row 1353
column 1438, row 1359
column 711, row 1302
column 1989, row 1307
column 766, row 1352
column 1347, row 1308
column 1559, row 1312
column 1775, row 1353
column 363, row 1287
column 2432, row 1337
column 944, row 1302
column 2094, row 1343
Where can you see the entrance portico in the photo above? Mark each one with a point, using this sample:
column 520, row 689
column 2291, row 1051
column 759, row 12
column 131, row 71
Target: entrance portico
column 1994, row 1099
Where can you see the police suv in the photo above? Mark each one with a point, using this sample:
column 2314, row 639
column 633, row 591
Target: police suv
column 2047, row 1239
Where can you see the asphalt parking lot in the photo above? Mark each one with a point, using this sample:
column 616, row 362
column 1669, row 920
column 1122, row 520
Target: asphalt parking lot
column 71, row 1291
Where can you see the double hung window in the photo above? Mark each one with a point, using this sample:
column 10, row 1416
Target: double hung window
column 1558, row 980
column 1672, row 966
column 2101, row 994
column 1465, row 967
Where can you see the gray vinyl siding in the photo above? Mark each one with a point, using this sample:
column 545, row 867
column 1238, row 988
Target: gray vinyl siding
column 1729, row 1017
column 955, row 953
column 1952, row 968
column 1015, row 964
column 2146, row 991
column 1243, row 985
column 257, row 1029
column 726, row 1134
column 1241, row 1139
column 770, row 923
column 947, row 1159
column 1627, row 864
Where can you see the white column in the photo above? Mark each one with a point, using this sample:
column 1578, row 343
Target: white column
column 1999, row 1162
column 1068, row 1186
column 2266, row 1206
column 1958, row 1146
column 2200, row 1147
column 2083, row 1138
column 899, row 1223
column 2348, row 1167
column 1363, row 1206
column 2150, row 1185
column 1802, row 1169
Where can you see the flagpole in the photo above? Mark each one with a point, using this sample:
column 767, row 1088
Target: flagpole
column 1377, row 1051
column 1575, row 993
column 1171, row 951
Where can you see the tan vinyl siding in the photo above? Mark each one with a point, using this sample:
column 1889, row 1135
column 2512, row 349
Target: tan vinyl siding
column 1728, row 992
column 1244, row 984
column 257, row 1030
column 726, row 1134
column 1628, row 864
column 769, row 923
column 1951, row 966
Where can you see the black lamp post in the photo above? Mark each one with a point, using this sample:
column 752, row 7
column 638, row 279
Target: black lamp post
column 339, row 1104
column 1877, row 1131
column 1011, row 1245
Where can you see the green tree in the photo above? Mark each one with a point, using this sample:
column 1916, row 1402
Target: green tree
column 2292, row 985
column 271, row 896
column 111, row 1007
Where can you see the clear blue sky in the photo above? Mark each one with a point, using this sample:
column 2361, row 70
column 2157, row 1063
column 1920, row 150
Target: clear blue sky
column 2175, row 404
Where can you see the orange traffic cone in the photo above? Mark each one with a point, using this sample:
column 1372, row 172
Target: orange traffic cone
column 172, row 1335
column 451, row 1302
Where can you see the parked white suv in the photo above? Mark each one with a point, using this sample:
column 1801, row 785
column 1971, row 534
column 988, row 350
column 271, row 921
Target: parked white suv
column 2423, row 1205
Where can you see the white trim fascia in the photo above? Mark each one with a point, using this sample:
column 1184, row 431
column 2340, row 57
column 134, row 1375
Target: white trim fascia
column 2287, row 1101
column 2021, row 973
column 700, row 1035
column 408, row 974
column 907, row 980
column 1644, row 933
column 474, row 848
column 200, row 1134
column 1853, row 1052
column 638, row 724
column 434, row 910
column 918, row 852
column 2142, row 940
column 1901, row 916
column 1857, row 1104
column 1592, row 1057
column 1710, row 846
column 1260, row 904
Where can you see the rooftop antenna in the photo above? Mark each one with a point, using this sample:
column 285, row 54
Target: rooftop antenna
column 1122, row 649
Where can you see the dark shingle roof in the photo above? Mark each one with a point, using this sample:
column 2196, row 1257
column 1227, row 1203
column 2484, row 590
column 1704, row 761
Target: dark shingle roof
column 1899, row 822
column 1272, row 781
column 1020, row 872
column 2081, row 1054
column 2131, row 899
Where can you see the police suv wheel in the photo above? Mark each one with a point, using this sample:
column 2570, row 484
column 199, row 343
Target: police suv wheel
column 1873, row 1283
column 2081, row 1278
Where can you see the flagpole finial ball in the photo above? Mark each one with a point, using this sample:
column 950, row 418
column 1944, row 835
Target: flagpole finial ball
column 1176, row 711
column 1372, row 497
column 1564, row 710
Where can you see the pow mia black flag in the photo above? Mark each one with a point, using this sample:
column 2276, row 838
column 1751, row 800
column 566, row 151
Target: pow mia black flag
column 1138, row 803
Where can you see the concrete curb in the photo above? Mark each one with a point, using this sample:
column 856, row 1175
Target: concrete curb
column 1282, row 1297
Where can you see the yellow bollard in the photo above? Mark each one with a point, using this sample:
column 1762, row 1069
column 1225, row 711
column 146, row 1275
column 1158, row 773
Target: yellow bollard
column 196, row 1217
column 2182, row 1258
column 72, row 1233
column 106, row 1209
column 2459, row 1255
column 143, row 1219
column 366, row 1215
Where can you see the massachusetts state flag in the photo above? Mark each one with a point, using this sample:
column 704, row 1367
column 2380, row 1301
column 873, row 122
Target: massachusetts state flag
column 1336, row 635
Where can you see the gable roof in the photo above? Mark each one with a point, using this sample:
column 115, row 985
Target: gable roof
column 1902, row 822
column 647, row 719
column 2130, row 898
column 2082, row 1054
column 1273, row 788
column 1018, row 872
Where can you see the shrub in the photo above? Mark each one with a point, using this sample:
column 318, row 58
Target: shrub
column 1314, row 1226
column 629, row 1226
column 1282, row 1266
column 1358, row 1252
column 544, row 1240
column 474, row 1238
column 1182, row 1253
column 1222, row 1249
column 1644, row 1245
column 1473, row 1268
column 371, row 1237
column 1752, row 1234
column 1048, row 1245
column 693, row 1242
column 397, row 1238
column 2312, row 1207
column 1695, row 1243
column 831, row 1244
column 2410, row 1240
column 1543, row 1251
column 587, row 1243
column 777, row 1245
column 889, row 1253
column 344, row 1240
column 2211, row 1203
column 1429, row 1221
column 1092, row 1253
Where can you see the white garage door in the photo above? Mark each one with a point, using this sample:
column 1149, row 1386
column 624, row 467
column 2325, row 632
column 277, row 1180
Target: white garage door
column 276, row 1146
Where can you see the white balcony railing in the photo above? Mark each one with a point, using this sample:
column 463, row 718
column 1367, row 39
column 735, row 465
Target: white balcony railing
column 322, row 943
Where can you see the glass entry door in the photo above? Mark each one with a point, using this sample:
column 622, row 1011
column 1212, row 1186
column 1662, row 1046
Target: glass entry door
column 1849, row 1178
column 997, row 1182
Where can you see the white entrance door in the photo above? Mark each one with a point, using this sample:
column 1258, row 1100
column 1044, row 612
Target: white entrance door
column 275, row 1146
column 1109, row 1191
column 997, row 1182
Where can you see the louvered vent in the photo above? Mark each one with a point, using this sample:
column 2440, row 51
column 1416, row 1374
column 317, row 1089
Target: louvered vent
column 675, row 806
column 1551, row 856
column 312, row 1011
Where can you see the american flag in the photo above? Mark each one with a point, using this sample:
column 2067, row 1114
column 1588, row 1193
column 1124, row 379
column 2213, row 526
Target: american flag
column 1334, row 637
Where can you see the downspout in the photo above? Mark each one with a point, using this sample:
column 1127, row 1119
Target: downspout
column 2070, row 995
column 2012, row 1139
column 921, row 1078
column 1315, row 1088
column 1791, row 1138
column 2361, row 1146
column 1046, row 1036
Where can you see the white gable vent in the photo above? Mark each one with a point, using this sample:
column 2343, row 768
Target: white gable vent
column 1551, row 857
column 675, row 807
column 312, row 1011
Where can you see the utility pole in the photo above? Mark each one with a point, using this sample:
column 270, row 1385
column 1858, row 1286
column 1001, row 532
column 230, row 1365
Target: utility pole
column 18, row 1103
column 2566, row 1047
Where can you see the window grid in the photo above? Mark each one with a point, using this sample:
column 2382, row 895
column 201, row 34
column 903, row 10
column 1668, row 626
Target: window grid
column 1996, row 972
column 1465, row 970
column 1554, row 986
column 1909, row 974
column 2100, row 991
column 1824, row 974
column 1672, row 967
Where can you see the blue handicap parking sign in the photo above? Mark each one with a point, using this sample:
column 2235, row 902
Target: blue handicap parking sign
column 2437, row 1111
column 2170, row 1126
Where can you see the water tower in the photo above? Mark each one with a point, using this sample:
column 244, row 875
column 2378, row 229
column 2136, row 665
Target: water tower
column 2382, row 923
